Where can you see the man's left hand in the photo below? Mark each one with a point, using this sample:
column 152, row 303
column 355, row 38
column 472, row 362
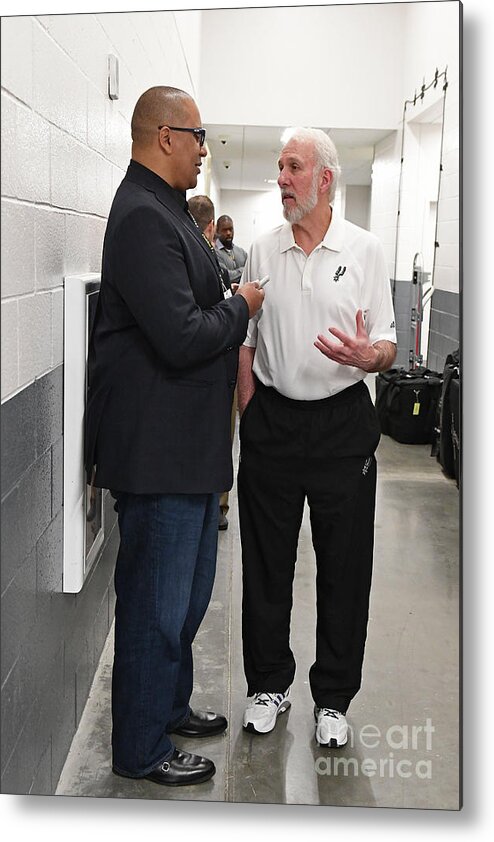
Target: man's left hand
column 351, row 350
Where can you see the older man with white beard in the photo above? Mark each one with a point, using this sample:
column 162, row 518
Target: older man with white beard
column 308, row 431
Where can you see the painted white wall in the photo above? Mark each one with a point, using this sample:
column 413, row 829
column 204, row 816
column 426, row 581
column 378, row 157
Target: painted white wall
column 433, row 43
column 189, row 27
column 253, row 212
column 357, row 204
column 419, row 186
column 432, row 31
column 207, row 186
column 384, row 195
column 296, row 66
column 65, row 147
column 215, row 196
column 447, row 269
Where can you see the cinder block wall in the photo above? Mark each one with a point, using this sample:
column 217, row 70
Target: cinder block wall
column 65, row 147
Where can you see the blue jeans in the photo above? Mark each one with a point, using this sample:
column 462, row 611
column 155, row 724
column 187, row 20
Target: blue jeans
column 163, row 580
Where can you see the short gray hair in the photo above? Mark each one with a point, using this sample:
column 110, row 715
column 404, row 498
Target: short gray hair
column 325, row 153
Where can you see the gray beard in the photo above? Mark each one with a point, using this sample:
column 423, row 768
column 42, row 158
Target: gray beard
column 302, row 208
column 296, row 214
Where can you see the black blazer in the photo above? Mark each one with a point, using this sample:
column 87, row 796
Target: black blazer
column 163, row 351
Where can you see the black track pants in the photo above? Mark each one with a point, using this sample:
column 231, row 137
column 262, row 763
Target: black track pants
column 322, row 451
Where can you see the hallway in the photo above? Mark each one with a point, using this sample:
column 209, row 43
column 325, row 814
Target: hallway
column 403, row 748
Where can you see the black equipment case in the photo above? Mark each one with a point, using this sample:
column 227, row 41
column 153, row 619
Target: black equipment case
column 446, row 445
column 406, row 404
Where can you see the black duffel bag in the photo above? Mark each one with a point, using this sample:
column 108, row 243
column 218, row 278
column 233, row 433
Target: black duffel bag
column 454, row 405
column 406, row 404
column 447, row 444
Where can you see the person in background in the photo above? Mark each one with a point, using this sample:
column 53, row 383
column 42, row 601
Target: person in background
column 202, row 209
column 232, row 257
column 162, row 366
column 308, row 432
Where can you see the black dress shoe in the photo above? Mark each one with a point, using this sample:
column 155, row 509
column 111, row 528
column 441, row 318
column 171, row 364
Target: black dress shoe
column 183, row 769
column 202, row 723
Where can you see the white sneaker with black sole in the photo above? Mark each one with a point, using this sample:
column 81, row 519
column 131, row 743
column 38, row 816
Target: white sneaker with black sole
column 331, row 727
column 261, row 713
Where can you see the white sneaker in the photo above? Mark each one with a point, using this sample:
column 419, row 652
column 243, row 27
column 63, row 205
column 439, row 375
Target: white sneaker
column 331, row 727
column 260, row 715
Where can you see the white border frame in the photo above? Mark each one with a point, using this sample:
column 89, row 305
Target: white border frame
column 75, row 564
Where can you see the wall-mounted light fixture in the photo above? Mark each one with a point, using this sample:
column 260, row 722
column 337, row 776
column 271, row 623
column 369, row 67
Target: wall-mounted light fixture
column 113, row 80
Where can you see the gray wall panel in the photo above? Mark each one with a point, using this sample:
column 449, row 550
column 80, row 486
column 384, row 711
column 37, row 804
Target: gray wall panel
column 18, row 443
column 49, row 409
column 18, row 612
column 57, row 476
column 42, row 784
column 49, row 552
column 51, row 641
column 447, row 302
column 445, row 327
column 10, row 549
column 34, row 503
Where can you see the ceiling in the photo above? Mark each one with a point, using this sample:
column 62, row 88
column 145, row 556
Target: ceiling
column 245, row 157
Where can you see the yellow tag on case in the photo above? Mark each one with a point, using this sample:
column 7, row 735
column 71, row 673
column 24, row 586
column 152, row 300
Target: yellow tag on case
column 416, row 408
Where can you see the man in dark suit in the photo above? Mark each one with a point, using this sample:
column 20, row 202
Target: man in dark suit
column 162, row 368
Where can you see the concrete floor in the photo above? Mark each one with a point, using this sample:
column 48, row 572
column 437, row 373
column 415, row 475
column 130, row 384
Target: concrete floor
column 404, row 746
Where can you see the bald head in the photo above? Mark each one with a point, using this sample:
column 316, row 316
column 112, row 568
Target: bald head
column 225, row 231
column 164, row 136
column 223, row 220
column 157, row 106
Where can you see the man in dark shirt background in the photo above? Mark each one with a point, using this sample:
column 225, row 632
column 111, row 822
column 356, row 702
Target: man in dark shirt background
column 231, row 256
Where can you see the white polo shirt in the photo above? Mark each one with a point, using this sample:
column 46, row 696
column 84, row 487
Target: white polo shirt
column 305, row 296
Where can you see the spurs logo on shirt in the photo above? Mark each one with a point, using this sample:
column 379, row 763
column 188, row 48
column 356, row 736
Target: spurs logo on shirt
column 299, row 305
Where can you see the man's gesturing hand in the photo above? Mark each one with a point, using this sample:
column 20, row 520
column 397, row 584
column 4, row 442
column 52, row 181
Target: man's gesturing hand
column 351, row 350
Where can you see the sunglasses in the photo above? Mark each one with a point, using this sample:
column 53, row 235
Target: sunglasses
column 200, row 134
